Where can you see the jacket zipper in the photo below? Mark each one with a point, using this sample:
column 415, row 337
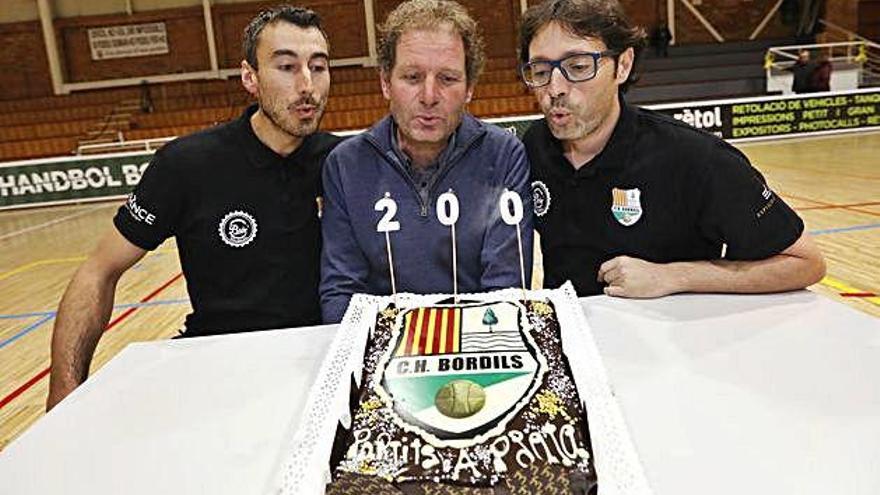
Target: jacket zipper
column 391, row 158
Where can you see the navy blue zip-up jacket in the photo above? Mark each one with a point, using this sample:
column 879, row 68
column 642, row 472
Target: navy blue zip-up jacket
column 485, row 161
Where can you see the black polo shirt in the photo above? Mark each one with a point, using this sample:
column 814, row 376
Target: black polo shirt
column 661, row 191
column 246, row 224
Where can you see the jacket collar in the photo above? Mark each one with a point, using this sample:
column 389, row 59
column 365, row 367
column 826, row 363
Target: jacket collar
column 467, row 132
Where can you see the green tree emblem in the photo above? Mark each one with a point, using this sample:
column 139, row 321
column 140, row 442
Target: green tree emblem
column 489, row 318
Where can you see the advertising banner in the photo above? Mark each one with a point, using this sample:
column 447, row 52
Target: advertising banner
column 86, row 178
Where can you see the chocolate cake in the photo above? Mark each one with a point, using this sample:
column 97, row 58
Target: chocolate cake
column 465, row 398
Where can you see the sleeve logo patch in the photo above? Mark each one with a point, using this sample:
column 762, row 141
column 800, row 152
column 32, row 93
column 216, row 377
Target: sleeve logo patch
column 138, row 212
column 238, row 229
column 540, row 198
column 770, row 200
column 626, row 205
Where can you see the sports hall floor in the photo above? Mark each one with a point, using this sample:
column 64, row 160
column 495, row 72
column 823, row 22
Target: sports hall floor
column 833, row 182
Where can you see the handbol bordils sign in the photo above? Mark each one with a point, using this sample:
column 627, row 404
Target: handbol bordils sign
column 64, row 180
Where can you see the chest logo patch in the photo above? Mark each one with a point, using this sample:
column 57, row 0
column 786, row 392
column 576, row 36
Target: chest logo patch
column 540, row 198
column 237, row 229
column 626, row 205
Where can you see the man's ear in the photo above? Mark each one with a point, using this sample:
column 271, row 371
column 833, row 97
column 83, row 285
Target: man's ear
column 385, row 81
column 470, row 93
column 624, row 65
column 249, row 78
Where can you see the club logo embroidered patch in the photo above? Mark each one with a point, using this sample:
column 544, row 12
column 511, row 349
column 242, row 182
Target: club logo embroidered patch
column 626, row 205
column 238, row 229
column 540, row 198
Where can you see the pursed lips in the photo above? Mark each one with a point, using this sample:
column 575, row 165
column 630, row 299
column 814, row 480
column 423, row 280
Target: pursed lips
column 559, row 115
column 305, row 110
column 428, row 120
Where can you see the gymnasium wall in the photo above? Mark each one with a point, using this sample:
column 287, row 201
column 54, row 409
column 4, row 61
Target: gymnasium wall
column 24, row 72
column 24, row 69
column 733, row 19
column 869, row 19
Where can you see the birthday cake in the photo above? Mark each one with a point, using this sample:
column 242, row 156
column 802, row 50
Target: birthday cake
column 466, row 398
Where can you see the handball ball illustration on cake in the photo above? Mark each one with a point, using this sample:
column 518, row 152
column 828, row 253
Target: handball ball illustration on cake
column 466, row 398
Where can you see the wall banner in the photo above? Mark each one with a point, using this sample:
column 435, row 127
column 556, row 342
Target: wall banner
column 132, row 40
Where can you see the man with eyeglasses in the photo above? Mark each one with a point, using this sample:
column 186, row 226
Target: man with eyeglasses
column 629, row 202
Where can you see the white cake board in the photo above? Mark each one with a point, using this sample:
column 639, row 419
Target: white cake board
column 305, row 469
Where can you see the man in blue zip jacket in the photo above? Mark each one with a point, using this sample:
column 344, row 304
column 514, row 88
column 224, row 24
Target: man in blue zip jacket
column 430, row 55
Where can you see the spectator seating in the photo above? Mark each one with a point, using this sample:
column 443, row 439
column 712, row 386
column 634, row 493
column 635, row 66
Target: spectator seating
column 53, row 126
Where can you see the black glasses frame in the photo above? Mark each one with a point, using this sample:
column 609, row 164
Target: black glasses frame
column 557, row 64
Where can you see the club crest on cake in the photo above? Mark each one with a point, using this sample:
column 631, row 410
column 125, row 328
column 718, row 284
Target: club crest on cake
column 456, row 375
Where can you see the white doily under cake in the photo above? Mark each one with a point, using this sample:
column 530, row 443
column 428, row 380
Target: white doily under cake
column 305, row 470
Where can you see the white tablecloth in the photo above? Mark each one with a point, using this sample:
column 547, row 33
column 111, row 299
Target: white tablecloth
column 723, row 395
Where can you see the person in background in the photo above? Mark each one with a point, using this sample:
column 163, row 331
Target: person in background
column 821, row 77
column 146, row 98
column 661, row 39
column 802, row 73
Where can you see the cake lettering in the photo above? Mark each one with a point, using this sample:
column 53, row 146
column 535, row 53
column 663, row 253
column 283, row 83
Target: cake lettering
column 547, row 444
column 480, row 363
column 433, row 364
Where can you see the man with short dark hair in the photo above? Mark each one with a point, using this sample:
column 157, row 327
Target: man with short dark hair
column 430, row 56
column 629, row 202
column 240, row 199
column 802, row 73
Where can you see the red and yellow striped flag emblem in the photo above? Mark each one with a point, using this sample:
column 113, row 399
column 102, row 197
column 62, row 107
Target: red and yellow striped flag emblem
column 430, row 331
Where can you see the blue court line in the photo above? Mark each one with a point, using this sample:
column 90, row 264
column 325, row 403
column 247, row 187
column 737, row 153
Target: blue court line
column 30, row 328
column 48, row 315
column 151, row 303
column 26, row 315
column 846, row 229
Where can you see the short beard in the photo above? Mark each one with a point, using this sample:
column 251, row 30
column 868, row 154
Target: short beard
column 300, row 131
column 572, row 132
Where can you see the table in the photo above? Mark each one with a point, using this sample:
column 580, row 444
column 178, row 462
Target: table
column 722, row 394
column 746, row 395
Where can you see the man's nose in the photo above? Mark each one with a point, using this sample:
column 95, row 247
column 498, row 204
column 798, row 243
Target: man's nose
column 304, row 83
column 430, row 91
column 558, row 84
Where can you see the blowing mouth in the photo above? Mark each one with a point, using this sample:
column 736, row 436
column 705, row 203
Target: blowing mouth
column 305, row 108
column 305, row 102
column 559, row 113
column 429, row 119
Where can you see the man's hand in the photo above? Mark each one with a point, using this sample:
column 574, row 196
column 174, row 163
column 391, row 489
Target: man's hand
column 798, row 266
column 632, row 277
